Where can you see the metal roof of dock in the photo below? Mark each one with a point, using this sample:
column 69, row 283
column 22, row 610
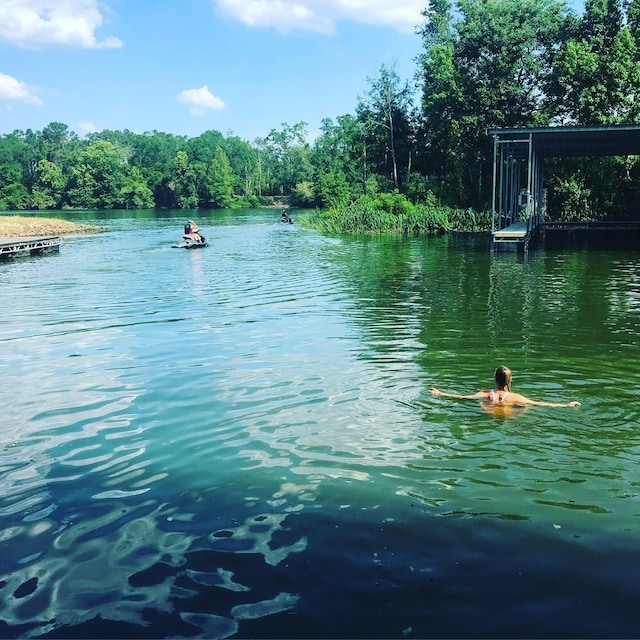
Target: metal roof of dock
column 563, row 142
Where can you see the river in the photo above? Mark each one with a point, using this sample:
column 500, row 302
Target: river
column 240, row 441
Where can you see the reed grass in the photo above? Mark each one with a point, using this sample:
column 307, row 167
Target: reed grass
column 396, row 215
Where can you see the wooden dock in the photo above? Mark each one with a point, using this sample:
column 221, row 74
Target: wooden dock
column 515, row 237
column 11, row 247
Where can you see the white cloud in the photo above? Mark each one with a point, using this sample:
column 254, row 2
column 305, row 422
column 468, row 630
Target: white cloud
column 322, row 15
column 87, row 127
column 35, row 24
column 14, row 90
column 199, row 100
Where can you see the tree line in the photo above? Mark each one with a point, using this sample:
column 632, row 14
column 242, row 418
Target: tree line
column 484, row 64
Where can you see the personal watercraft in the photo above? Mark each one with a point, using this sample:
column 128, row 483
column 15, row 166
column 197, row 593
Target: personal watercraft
column 190, row 243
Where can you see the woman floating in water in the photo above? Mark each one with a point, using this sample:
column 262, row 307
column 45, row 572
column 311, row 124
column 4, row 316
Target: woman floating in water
column 502, row 396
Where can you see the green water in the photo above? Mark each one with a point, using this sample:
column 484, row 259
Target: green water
column 240, row 442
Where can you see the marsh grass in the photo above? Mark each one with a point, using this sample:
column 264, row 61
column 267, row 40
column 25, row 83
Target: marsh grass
column 394, row 214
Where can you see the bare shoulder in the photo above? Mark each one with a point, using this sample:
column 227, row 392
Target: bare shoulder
column 517, row 398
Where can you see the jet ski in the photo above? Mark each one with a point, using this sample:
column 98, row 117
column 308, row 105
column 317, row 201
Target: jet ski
column 189, row 243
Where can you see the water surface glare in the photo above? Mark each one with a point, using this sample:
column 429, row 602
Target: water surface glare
column 239, row 441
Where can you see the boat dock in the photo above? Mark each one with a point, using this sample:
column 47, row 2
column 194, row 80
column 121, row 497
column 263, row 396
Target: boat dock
column 519, row 198
column 10, row 247
column 515, row 237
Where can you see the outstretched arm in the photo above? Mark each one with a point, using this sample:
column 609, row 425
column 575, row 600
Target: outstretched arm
column 573, row 403
column 475, row 396
column 520, row 399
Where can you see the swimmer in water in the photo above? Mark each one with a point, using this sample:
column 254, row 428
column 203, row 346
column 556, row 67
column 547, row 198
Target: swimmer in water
column 502, row 396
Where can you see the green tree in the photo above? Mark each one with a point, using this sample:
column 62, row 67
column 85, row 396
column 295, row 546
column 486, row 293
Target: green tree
column 285, row 158
column 183, row 182
column 135, row 193
column 597, row 70
column 154, row 153
column 387, row 107
column 98, row 176
column 486, row 67
column 343, row 146
column 263, row 168
column 203, row 148
column 220, row 180
column 54, row 139
column 49, row 186
column 333, row 189
column 13, row 195
column 57, row 144
column 19, row 155
column 303, row 195
column 244, row 165
column 596, row 81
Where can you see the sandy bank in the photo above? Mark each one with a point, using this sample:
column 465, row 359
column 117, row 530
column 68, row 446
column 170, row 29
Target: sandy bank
column 25, row 226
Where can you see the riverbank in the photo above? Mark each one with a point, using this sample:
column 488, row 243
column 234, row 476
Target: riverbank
column 26, row 226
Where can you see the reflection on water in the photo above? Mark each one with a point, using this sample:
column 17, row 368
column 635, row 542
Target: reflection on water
column 240, row 441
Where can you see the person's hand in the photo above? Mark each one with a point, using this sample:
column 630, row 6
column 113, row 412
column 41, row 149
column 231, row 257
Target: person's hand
column 434, row 392
column 574, row 403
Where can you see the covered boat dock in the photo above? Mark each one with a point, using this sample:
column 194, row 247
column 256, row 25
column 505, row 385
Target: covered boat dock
column 518, row 161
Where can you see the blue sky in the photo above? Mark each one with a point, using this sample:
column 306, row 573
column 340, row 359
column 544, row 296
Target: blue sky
column 187, row 66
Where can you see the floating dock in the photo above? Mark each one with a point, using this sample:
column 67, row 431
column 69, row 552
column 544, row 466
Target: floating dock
column 10, row 247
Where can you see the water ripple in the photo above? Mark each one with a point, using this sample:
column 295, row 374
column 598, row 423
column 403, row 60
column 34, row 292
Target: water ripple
column 182, row 425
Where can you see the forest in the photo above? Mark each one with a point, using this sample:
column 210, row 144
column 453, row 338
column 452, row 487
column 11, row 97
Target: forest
column 483, row 64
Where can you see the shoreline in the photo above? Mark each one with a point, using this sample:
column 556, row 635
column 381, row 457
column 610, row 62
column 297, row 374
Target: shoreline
column 26, row 227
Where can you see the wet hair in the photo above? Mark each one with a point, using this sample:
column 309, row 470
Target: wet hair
column 503, row 377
